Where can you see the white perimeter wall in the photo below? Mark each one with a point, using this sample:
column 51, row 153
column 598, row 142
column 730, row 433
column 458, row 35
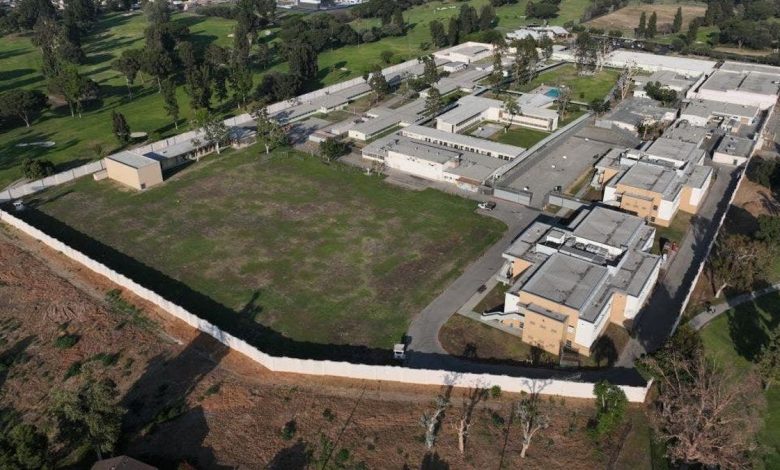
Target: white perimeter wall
column 329, row 368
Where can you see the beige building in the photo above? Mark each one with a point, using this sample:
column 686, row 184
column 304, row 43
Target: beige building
column 567, row 283
column 136, row 171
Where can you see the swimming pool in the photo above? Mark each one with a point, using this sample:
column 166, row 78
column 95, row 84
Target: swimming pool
column 553, row 93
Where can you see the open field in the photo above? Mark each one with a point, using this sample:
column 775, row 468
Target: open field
column 228, row 412
column 627, row 18
column 584, row 88
column 733, row 340
column 284, row 250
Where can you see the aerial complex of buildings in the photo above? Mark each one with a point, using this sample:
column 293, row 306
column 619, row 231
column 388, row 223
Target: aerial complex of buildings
column 567, row 277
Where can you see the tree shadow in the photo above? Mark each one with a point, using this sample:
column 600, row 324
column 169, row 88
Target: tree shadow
column 604, row 350
column 748, row 327
column 295, row 457
column 13, row 355
column 432, row 461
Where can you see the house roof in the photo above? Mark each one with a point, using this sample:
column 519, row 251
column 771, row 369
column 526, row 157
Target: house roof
column 608, row 227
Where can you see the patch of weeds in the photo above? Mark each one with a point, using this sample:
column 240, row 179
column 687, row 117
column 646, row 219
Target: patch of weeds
column 213, row 389
column 342, row 457
column 329, row 415
column 66, row 341
column 288, row 430
column 129, row 363
column 73, row 370
column 167, row 413
column 132, row 314
column 106, row 359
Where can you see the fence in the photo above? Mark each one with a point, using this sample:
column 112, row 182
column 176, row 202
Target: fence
column 317, row 367
column 567, row 202
column 49, row 181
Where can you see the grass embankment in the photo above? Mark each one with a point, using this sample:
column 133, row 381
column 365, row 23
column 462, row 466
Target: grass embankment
column 734, row 340
column 283, row 245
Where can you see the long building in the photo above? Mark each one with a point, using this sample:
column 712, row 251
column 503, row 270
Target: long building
column 534, row 113
column 742, row 84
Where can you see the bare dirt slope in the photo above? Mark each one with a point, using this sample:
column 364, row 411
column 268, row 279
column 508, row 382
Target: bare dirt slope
column 190, row 399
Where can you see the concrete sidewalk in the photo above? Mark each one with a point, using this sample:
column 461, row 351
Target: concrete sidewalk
column 702, row 319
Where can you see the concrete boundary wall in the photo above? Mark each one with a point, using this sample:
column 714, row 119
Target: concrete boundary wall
column 567, row 202
column 53, row 180
column 318, row 367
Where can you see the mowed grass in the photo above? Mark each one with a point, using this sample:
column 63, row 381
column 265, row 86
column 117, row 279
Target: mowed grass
column 20, row 64
column 520, row 136
column 734, row 340
column 76, row 139
column 318, row 253
column 585, row 88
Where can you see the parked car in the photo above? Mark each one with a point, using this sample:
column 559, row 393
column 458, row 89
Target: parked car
column 488, row 205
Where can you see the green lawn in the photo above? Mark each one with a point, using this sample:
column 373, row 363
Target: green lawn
column 283, row 245
column 733, row 340
column 584, row 88
column 520, row 136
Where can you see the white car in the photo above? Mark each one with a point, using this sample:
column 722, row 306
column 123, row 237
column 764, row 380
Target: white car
column 488, row 205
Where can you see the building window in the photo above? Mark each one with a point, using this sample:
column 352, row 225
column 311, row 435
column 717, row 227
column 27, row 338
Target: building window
column 655, row 208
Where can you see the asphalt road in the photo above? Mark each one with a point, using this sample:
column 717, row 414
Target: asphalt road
column 662, row 312
column 423, row 331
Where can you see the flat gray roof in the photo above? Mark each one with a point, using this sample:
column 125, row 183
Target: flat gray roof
column 468, row 107
column 669, row 79
column 655, row 178
column 566, row 280
column 673, row 149
column 707, row 108
column 132, row 159
column 686, row 132
column 433, row 153
column 746, row 67
column 609, row 227
column 463, row 140
column 634, row 110
column 752, row 82
column 733, row 145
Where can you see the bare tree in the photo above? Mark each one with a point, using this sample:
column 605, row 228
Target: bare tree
column 706, row 415
column 602, row 49
column 531, row 418
column 626, row 79
column 564, row 96
column 431, row 422
column 470, row 401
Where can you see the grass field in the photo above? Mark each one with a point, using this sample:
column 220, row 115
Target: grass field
column 584, row 88
column 733, row 340
column 20, row 64
column 520, row 136
column 627, row 18
column 317, row 253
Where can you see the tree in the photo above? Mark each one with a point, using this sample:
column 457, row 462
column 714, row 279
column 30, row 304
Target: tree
column 37, row 169
column 30, row 11
column 129, row 64
column 120, row 127
column 22, row 446
column 433, row 103
column 72, row 86
column 768, row 365
column 512, row 107
column 378, row 83
column 158, row 12
column 641, row 30
column 215, row 132
column 90, row 413
column 170, row 103
column 80, row 14
column 430, row 72
column 599, row 106
column 453, row 31
column 611, row 405
column 768, row 229
column 546, row 44
column 470, row 401
column 652, row 26
column 705, row 414
column 585, row 51
column 302, row 61
column 658, row 92
column 269, row 132
column 432, row 421
column 24, row 104
column 677, row 22
column 531, row 419
column 626, row 80
column 241, row 82
column 487, row 16
column 693, row 30
column 564, row 96
column 331, row 148
column 199, row 87
column 738, row 262
column 438, row 34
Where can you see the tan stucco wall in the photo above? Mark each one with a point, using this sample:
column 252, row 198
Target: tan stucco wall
column 543, row 332
column 149, row 175
column 640, row 202
column 685, row 199
column 526, row 298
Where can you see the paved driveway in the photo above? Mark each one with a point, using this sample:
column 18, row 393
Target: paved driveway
column 662, row 312
column 424, row 328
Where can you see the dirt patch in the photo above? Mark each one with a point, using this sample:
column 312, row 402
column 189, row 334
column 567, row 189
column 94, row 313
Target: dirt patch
column 627, row 18
column 228, row 411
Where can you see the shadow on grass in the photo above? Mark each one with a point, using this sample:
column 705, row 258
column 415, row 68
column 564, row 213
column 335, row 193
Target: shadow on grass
column 749, row 326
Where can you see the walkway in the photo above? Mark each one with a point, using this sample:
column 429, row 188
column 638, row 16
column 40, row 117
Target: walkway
column 702, row 319
column 657, row 319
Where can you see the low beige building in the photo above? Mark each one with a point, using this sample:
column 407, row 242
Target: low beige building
column 136, row 171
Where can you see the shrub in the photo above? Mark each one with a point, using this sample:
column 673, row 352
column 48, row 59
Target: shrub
column 495, row 391
column 329, row 414
column 66, row 341
column 106, row 359
column 73, row 370
column 37, row 169
column 288, row 430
